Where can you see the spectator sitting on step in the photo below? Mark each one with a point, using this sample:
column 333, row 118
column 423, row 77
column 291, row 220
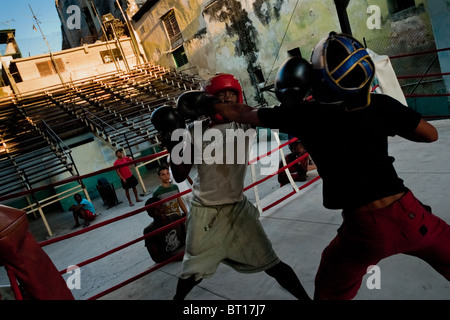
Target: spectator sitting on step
column 83, row 209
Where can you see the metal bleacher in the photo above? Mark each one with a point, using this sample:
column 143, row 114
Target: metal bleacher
column 115, row 107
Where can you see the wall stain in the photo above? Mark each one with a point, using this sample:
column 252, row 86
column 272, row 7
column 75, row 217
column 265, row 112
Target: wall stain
column 239, row 25
column 200, row 33
column 263, row 10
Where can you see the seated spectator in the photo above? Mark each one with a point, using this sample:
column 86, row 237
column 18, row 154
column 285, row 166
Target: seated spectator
column 83, row 209
column 298, row 171
column 167, row 189
column 169, row 243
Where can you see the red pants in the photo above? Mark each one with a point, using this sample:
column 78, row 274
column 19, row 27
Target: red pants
column 364, row 239
column 22, row 255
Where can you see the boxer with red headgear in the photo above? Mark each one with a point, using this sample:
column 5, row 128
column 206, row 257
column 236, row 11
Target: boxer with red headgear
column 222, row 87
column 222, row 225
column 224, row 81
column 226, row 88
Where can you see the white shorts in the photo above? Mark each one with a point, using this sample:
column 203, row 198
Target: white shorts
column 235, row 237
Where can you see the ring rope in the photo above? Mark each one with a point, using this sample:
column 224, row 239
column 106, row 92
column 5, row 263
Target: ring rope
column 418, row 53
column 291, row 194
column 427, row 95
column 181, row 221
column 120, row 285
column 101, row 224
column 173, row 224
column 272, row 151
column 78, row 177
column 162, row 229
column 123, row 246
column 14, row 285
column 276, row 172
column 413, row 76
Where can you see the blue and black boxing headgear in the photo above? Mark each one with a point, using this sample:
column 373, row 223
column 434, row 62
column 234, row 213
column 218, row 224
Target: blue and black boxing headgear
column 342, row 71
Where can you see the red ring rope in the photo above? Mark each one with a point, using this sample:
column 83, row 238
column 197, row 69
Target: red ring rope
column 101, row 224
column 120, row 285
column 427, row 95
column 78, row 178
column 160, row 230
column 413, row 76
column 148, row 235
column 279, row 170
column 178, row 222
column 271, row 151
column 417, row 53
column 290, row 194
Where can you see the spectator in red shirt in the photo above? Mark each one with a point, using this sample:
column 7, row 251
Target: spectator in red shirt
column 127, row 178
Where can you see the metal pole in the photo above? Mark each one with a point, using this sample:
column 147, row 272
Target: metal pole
column 137, row 53
column 106, row 37
column 49, row 50
column 341, row 7
column 119, row 45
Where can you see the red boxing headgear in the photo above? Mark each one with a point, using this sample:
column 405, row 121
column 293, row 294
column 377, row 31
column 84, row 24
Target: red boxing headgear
column 224, row 81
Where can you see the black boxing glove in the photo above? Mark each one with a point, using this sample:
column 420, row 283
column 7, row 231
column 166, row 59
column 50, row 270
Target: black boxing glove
column 167, row 119
column 196, row 103
column 292, row 81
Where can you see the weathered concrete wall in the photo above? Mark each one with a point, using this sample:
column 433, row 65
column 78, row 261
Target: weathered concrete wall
column 423, row 27
column 406, row 31
column 240, row 37
column 237, row 37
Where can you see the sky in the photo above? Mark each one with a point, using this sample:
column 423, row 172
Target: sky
column 16, row 14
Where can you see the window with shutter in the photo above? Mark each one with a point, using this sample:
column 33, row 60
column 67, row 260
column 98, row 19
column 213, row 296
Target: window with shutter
column 108, row 56
column 45, row 68
column 172, row 28
column 175, row 38
column 395, row 6
column 180, row 57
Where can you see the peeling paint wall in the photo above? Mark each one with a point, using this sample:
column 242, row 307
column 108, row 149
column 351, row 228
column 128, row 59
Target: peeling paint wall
column 240, row 37
column 237, row 37
column 409, row 30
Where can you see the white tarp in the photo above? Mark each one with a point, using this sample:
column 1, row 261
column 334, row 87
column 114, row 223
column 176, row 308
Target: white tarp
column 387, row 79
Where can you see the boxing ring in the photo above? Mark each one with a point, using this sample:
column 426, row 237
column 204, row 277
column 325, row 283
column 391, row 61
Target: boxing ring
column 254, row 185
column 154, row 157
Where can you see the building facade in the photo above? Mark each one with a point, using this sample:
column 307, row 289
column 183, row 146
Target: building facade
column 251, row 39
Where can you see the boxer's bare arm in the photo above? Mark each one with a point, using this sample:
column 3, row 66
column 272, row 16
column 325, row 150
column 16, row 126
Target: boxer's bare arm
column 238, row 112
column 425, row 132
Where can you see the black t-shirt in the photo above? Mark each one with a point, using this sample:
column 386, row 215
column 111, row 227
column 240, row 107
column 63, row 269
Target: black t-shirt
column 350, row 149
